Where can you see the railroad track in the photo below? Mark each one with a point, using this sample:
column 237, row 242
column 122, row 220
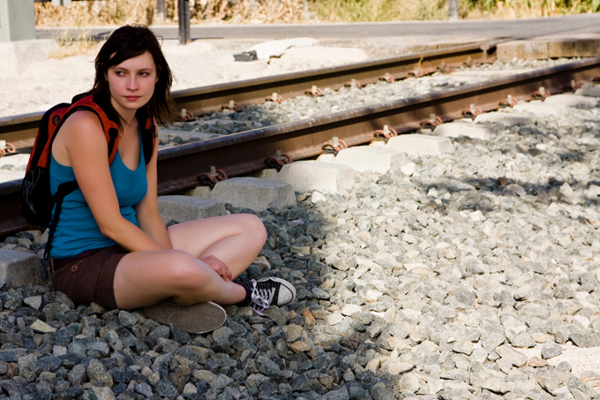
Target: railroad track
column 180, row 167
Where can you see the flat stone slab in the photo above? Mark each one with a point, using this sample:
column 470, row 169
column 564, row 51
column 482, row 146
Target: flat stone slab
column 540, row 108
column 526, row 49
column 304, row 176
column 418, row 144
column 584, row 46
column 14, row 162
column 276, row 48
column 254, row 193
column 18, row 268
column 590, row 91
column 504, row 118
column 6, row 175
column 13, row 167
column 368, row 158
column 456, row 129
column 188, row 208
column 571, row 100
column 544, row 48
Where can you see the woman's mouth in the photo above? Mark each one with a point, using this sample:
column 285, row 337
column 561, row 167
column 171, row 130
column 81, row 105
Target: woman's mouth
column 132, row 98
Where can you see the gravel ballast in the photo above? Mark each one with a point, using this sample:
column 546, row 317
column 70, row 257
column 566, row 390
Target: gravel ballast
column 346, row 98
column 464, row 275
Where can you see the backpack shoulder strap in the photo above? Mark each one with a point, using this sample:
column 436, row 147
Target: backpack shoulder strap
column 149, row 134
column 45, row 135
column 110, row 127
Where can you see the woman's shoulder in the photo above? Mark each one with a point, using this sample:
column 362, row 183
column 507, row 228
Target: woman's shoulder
column 83, row 122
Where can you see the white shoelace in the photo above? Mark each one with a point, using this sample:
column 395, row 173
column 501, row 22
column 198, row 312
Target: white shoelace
column 261, row 298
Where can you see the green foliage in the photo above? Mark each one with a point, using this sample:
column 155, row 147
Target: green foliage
column 561, row 6
column 431, row 9
column 359, row 10
column 488, row 4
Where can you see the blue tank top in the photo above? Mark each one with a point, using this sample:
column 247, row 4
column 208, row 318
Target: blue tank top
column 77, row 230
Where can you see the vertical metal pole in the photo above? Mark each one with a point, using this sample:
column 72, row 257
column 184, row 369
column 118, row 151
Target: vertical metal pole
column 452, row 10
column 161, row 12
column 17, row 22
column 185, row 36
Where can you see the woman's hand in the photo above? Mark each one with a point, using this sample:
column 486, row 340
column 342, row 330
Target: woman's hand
column 219, row 266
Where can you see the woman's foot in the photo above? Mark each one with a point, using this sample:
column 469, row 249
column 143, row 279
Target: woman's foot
column 269, row 291
column 196, row 319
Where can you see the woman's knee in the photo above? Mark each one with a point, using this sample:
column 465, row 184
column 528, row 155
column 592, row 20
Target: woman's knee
column 255, row 227
column 185, row 272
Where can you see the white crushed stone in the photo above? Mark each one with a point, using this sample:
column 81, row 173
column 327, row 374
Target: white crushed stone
column 201, row 63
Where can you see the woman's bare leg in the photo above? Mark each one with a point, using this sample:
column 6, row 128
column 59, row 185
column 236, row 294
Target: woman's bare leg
column 146, row 278
column 234, row 239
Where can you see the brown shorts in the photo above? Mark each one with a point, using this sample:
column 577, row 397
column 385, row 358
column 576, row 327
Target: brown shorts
column 89, row 276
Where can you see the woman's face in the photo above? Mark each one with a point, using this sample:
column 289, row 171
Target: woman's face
column 131, row 83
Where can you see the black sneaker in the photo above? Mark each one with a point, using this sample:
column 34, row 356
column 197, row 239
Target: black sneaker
column 196, row 319
column 268, row 291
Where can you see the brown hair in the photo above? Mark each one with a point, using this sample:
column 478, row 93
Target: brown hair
column 131, row 41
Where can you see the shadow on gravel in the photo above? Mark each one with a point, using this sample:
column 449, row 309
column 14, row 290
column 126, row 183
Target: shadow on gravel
column 327, row 344
column 344, row 324
column 318, row 345
column 473, row 191
column 329, row 341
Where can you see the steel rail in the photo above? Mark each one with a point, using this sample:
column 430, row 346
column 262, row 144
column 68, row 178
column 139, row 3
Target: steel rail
column 21, row 129
column 180, row 167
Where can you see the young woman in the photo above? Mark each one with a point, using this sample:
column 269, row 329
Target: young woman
column 111, row 245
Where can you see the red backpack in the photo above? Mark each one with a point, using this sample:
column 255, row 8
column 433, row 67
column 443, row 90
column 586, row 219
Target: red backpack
column 37, row 202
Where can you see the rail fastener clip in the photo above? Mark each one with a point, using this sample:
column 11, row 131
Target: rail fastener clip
column 7, row 148
column 314, row 91
column 385, row 133
column 353, row 84
column 275, row 98
column 508, row 102
column 232, row 106
column 186, row 116
column 212, row 178
column 432, row 122
column 278, row 161
column 571, row 87
column 389, row 78
column 334, row 145
column 472, row 111
column 542, row 93
column 416, row 73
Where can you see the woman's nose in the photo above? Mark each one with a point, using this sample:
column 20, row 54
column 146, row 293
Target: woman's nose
column 132, row 83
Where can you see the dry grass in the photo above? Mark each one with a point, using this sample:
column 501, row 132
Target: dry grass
column 93, row 13
column 377, row 10
column 68, row 48
column 528, row 9
column 394, row 10
column 87, row 13
column 245, row 11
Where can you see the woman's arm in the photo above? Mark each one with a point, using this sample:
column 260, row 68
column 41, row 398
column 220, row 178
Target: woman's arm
column 148, row 216
column 83, row 141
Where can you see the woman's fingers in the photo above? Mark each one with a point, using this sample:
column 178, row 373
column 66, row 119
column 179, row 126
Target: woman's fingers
column 219, row 266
